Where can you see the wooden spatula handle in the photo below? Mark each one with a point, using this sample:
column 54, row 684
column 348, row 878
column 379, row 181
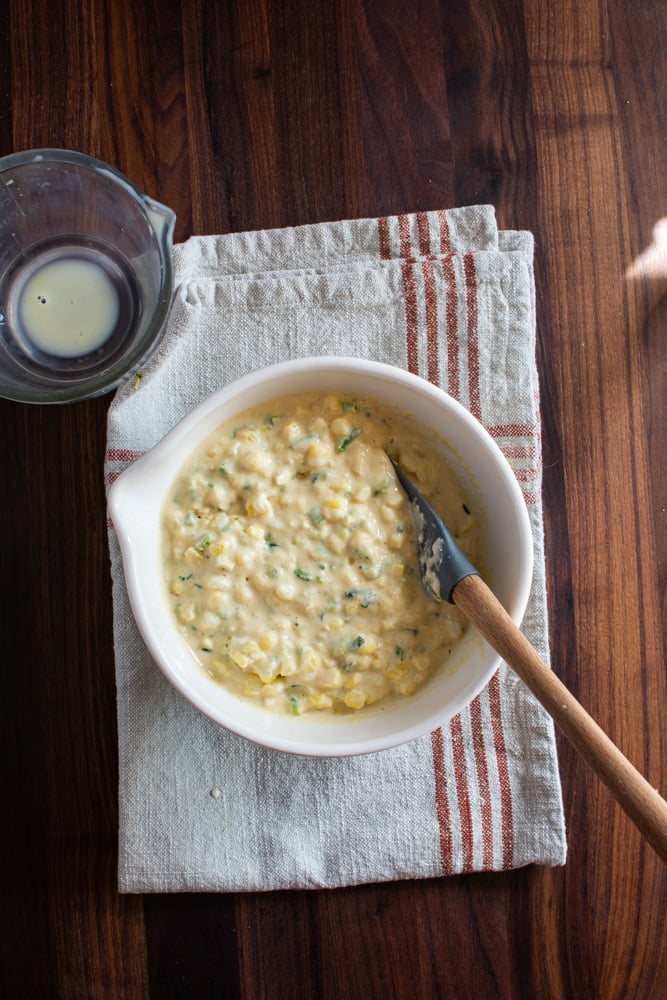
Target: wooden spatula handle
column 643, row 804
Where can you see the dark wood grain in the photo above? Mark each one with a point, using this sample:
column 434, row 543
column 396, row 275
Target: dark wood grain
column 253, row 114
column 596, row 381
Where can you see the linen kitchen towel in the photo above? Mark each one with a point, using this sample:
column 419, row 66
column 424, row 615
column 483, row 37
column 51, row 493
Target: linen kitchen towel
column 449, row 297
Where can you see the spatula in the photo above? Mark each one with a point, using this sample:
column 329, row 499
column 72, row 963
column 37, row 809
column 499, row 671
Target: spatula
column 446, row 574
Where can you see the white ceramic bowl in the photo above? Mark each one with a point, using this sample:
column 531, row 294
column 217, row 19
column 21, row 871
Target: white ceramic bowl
column 135, row 503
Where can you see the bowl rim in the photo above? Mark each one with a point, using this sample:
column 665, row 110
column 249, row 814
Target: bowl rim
column 174, row 443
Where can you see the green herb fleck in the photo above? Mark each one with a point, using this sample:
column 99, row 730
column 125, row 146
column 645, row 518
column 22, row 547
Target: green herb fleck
column 295, row 704
column 365, row 597
column 299, row 442
column 379, row 490
column 315, row 516
column 352, row 406
column 301, row 573
column 358, row 642
column 346, row 441
column 400, row 652
column 184, row 578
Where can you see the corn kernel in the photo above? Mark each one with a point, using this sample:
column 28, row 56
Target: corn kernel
column 291, row 431
column 216, row 602
column 341, row 426
column 334, row 624
column 257, row 507
column 252, row 685
column 208, row 621
column 337, row 544
column 362, row 494
column 267, row 671
column 335, row 509
column 395, row 672
column 317, row 455
column 254, row 461
column 321, row 701
column 407, row 687
column 355, row 699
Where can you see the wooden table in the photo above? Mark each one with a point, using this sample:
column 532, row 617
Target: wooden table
column 251, row 114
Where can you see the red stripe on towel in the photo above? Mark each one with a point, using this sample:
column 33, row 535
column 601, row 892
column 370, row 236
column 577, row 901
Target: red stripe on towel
column 442, row 802
column 512, row 430
column 122, row 455
column 410, row 288
column 430, row 295
column 452, row 304
column 473, row 346
column 424, row 234
column 499, row 745
column 482, row 767
column 506, row 815
column 526, row 475
column 519, row 451
column 462, row 793
column 384, row 238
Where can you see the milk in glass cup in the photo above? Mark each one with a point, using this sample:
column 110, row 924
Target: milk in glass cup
column 86, row 276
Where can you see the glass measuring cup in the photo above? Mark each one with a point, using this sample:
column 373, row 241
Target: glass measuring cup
column 86, row 276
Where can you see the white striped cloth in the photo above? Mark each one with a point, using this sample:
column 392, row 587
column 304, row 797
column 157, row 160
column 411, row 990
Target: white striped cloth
column 448, row 296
